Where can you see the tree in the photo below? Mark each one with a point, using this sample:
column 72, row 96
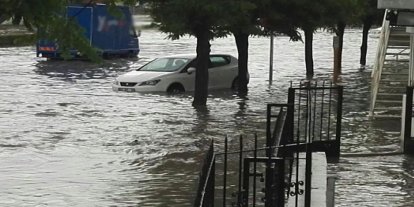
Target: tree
column 309, row 16
column 199, row 18
column 339, row 14
column 255, row 17
column 368, row 14
column 242, row 24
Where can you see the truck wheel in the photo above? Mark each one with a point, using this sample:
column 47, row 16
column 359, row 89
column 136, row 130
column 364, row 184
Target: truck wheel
column 175, row 89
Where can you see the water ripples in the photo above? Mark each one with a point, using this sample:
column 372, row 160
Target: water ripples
column 68, row 140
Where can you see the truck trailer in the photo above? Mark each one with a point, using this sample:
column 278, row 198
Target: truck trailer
column 110, row 35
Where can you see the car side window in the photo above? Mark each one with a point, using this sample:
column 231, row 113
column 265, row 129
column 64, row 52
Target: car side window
column 217, row 61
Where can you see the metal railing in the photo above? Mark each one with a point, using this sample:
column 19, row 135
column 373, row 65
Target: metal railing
column 379, row 61
column 266, row 172
column 205, row 192
column 317, row 115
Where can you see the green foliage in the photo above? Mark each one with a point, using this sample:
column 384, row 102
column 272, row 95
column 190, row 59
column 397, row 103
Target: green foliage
column 30, row 12
column 187, row 17
column 276, row 17
column 242, row 16
column 47, row 15
column 367, row 11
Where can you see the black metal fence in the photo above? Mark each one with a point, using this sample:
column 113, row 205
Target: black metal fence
column 317, row 115
column 266, row 172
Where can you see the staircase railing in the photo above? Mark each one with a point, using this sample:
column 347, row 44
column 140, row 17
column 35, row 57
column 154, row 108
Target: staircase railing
column 379, row 61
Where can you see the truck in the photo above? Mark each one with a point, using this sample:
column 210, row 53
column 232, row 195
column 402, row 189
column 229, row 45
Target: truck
column 110, row 35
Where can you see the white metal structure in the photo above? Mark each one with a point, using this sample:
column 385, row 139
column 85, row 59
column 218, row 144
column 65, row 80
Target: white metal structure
column 177, row 74
column 390, row 73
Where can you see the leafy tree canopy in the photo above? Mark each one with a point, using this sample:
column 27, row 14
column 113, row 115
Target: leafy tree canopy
column 187, row 17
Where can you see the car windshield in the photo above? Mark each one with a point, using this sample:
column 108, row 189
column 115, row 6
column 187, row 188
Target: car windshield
column 165, row 64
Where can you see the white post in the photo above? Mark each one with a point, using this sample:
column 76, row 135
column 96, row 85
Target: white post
column 271, row 60
column 403, row 123
column 411, row 66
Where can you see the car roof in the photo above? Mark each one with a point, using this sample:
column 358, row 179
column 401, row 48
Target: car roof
column 192, row 56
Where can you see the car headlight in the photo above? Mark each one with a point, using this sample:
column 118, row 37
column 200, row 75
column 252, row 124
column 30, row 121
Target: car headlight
column 115, row 82
column 150, row 83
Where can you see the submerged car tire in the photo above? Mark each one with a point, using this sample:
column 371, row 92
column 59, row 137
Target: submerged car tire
column 175, row 89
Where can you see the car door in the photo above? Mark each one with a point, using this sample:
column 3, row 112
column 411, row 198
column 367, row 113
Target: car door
column 221, row 74
column 185, row 78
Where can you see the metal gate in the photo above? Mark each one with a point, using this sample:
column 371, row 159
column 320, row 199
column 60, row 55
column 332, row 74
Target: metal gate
column 263, row 176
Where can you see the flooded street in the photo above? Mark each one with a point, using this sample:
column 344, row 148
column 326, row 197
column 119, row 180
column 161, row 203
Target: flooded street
column 67, row 139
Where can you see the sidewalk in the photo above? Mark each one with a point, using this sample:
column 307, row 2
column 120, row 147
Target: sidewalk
column 12, row 36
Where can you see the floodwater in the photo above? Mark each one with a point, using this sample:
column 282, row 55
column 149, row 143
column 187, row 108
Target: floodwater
column 67, row 139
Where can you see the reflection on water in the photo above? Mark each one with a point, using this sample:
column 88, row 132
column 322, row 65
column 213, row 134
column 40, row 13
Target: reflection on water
column 68, row 140
column 77, row 69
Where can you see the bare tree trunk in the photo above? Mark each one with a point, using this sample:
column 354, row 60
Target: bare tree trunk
column 201, row 76
column 340, row 33
column 364, row 45
column 242, row 42
column 309, row 51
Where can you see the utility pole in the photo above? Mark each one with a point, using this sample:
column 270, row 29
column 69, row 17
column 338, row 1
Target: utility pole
column 271, row 59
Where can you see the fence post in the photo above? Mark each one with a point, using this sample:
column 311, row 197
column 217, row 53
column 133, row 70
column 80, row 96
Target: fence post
column 408, row 119
column 280, row 183
column 205, row 192
column 308, row 175
column 268, row 129
column 289, row 126
column 225, row 171
column 339, row 122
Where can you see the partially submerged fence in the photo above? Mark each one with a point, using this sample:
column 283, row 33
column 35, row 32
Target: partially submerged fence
column 266, row 172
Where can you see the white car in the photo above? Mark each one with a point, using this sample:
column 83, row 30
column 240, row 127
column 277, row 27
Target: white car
column 175, row 74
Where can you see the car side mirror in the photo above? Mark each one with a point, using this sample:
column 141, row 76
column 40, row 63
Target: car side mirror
column 191, row 70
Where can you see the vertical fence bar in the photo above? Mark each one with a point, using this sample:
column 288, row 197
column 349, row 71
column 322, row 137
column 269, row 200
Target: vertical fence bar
column 203, row 193
column 297, row 149
column 239, row 200
column 408, row 118
column 212, row 183
column 308, row 175
column 339, row 121
column 246, row 182
column 281, row 183
column 329, row 112
column 299, row 112
column 268, row 182
column 297, row 176
column 290, row 119
column 268, row 129
column 314, row 110
column 254, row 170
column 322, row 109
column 308, row 114
column 225, row 171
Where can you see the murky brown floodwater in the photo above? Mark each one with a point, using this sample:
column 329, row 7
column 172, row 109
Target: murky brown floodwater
column 68, row 140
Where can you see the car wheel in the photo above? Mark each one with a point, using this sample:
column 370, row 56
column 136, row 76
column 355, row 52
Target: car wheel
column 175, row 89
column 235, row 84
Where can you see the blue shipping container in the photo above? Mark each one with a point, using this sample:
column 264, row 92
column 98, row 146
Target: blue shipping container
column 112, row 36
